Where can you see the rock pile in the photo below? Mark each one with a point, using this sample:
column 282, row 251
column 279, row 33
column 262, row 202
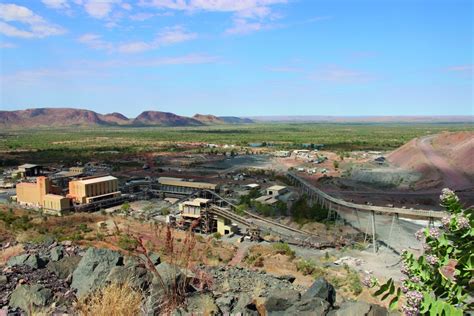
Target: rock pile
column 56, row 275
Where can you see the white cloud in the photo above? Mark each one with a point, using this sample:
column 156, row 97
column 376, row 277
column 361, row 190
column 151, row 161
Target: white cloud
column 99, row 9
column 94, row 68
column 126, row 6
column 174, row 35
column 36, row 26
column 168, row 36
column 56, row 4
column 7, row 45
column 94, row 41
column 134, row 47
column 211, row 5
column 461, row 68
column 249, row 15
column 242, row 26
column 465, row 71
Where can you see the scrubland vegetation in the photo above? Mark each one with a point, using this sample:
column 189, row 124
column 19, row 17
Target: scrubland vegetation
column 104, row 143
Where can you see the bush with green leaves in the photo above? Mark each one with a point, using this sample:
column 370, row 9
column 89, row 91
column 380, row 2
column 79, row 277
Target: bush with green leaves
column 439, row 282
column 283, row 249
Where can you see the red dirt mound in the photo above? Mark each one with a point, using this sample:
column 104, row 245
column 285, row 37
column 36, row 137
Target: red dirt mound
column 445, row 159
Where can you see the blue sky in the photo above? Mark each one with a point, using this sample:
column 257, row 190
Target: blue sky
column 231, row 57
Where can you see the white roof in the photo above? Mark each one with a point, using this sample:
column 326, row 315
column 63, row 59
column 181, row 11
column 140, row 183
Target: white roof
column 276, row 188
column 197, row 202
column 253, row 185
column 27, row 165
column 96, row 180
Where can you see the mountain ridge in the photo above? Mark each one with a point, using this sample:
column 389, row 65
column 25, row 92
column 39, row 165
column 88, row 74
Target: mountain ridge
column 63, row 117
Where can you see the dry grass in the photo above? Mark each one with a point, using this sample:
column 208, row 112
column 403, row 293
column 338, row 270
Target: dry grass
column 9, row 252
column 113, row 300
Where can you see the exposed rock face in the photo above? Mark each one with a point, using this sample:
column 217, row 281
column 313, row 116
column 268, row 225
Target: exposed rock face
column 232, row 290
column 31, row 260
column 27, row 297
column 321, row 289
column 280, row 300
column 359, row 309
column 57, row 253
column 64, row 267
column 93, row 269
column 133, row 273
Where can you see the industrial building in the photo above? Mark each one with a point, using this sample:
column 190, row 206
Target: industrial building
column 93, row 189
column 28, row 170
column 193, row 208
column 274, row 194
column 40, row 194
column 199, row 209
column 276, row 190
column 181, row 186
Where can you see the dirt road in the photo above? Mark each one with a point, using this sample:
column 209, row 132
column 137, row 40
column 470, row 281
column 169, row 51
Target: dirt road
column 452, row 178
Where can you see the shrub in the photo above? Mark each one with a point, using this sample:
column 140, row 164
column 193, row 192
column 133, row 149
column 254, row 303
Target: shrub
column 115, row 299
column 283, row 249
column 217, row 235
column 440, row 280
column 301, row 211
column 256, row 260
column 84, row 228
column 305, row 266
column 127, row 242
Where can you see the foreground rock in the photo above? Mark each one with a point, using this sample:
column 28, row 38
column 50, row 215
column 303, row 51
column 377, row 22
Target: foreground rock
column 93, row 269
column 71, row 274
column 29, row 297
column 321, row 289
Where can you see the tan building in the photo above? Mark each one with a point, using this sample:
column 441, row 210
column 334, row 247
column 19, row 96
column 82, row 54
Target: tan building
column 178, row 185
column 56, row 202
column 89, row 190
column 39, row 194
column 193, row 208
column 225, row 226
column 78, row 170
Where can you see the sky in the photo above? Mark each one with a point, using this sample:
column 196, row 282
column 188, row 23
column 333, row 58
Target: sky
column 239, row 57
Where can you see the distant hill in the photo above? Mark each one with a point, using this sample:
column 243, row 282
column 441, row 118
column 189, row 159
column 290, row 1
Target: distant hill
column 212, row 119
column 64, row 117
column 150, row 118
column 116, row 118
column 208, row 119
column 236, row 120
column 49, row 117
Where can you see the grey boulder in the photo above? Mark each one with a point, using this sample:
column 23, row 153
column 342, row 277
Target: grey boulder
column 93, row 269
column 322, row 289
column 27, row 297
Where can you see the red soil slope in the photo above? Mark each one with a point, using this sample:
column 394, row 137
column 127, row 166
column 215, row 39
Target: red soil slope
column 444, row 159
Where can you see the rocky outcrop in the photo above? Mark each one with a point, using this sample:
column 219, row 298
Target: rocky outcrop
column 28, row 297
column 360, row 309
column 64, row 267
column 321, row 289
column 73, row 274
column 93, row 269
column 31, row 260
